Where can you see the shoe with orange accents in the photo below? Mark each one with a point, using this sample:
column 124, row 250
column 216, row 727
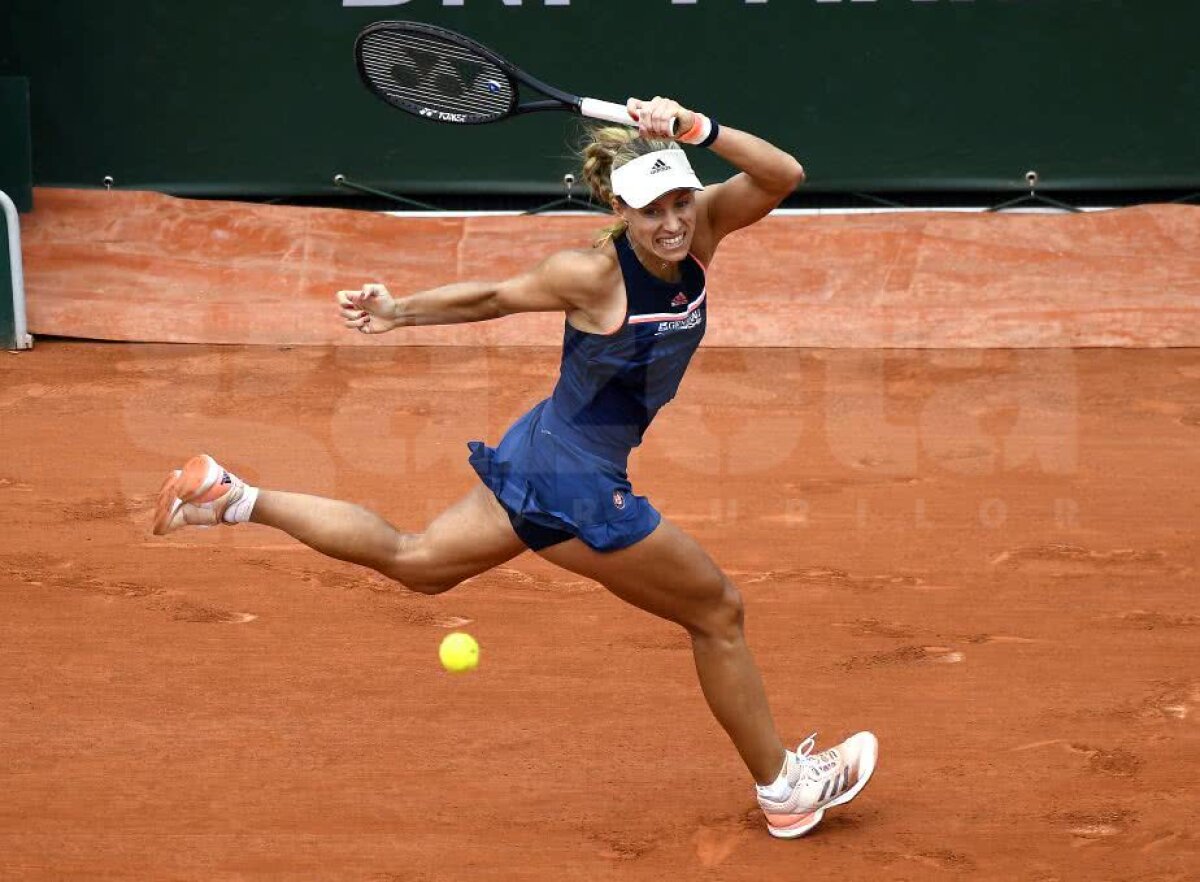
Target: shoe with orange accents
column 199, row 494
column 819, row 782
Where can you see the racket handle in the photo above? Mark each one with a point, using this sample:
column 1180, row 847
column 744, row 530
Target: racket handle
column 606, row 110
column 595, row 109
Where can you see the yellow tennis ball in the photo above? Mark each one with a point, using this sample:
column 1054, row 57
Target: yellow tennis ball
column 459, row 652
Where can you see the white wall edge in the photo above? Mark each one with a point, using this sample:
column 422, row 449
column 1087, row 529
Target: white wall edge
column 21, row 329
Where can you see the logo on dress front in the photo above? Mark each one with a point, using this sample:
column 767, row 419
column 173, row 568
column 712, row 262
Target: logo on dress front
column 680, row 299
column 693, row 319
column 618, row 499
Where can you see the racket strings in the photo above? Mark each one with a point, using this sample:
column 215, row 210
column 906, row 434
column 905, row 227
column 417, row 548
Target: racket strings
column 427, row 73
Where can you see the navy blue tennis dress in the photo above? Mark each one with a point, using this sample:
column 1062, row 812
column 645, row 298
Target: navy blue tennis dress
column 560, row 470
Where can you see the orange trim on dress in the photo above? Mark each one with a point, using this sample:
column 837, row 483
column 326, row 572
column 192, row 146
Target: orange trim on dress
column 669, row 316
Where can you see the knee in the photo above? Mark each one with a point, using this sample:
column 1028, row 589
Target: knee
column 430, row 586
column 412, row 566
column 724, row 615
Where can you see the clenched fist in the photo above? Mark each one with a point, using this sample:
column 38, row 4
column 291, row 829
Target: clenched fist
column 370, row 311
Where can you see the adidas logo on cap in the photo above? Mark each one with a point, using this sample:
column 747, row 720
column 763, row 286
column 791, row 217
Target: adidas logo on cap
column 659, row 166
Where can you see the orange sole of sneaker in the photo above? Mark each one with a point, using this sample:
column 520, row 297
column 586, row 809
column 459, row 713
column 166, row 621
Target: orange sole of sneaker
column 167, row 502
column 197, row 482
column 201, row 479
column 791, row 826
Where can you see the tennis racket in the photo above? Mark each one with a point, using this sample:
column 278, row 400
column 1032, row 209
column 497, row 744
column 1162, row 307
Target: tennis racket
column 441, row 75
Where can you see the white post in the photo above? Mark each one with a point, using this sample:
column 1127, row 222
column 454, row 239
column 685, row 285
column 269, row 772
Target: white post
column 20, row 328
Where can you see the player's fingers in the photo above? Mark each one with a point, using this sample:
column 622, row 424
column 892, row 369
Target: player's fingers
column 633, row 107
column 664, row 113
column 646, row 114
column 345, row 297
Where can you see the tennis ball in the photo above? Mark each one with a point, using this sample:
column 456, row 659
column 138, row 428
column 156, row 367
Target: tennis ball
column 459, row 652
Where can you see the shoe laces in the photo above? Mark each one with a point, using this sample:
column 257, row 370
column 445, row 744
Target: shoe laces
column 815, row 766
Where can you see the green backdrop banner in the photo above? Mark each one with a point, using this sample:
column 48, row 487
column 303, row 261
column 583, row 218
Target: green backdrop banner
column 15, row 168
column 244, row 97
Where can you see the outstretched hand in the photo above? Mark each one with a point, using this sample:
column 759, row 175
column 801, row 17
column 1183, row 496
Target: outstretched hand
column 660, row 117
column 369, row 311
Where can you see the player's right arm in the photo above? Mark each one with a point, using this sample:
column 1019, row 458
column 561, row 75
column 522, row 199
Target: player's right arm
column 564, row 282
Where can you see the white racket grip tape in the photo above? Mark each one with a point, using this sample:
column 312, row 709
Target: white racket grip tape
column 593, row 108
column 607, row 111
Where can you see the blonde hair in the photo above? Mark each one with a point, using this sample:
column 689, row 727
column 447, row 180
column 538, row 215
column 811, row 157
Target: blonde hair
column 605, row 148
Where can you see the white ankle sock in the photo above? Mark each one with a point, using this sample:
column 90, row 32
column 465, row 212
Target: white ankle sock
column 779, row 788
column 239, row 512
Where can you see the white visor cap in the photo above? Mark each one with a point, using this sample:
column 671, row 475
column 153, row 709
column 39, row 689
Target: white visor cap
column 640, row 181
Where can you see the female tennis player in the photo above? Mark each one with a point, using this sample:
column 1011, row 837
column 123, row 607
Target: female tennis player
column 556, row 483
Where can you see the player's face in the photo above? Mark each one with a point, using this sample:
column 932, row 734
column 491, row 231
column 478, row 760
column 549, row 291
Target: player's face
column 664, row 227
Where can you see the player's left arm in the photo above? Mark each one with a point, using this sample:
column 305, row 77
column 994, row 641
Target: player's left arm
column 767, row 176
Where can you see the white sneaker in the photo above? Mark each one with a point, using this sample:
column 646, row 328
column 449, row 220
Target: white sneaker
column 819, row 781
column 196, row 495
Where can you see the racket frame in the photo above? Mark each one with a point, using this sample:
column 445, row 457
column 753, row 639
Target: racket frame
column 557, row 99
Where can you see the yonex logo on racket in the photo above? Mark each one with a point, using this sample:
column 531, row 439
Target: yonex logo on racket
column 442, row 115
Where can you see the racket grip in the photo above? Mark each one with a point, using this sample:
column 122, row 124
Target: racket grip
column 606, row 110
column 593, row 108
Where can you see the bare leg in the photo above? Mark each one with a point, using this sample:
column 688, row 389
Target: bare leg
column 734, row 691
column 669, row 574
column 470, row 537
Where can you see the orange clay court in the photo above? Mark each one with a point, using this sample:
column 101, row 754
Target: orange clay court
column 951, row 461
